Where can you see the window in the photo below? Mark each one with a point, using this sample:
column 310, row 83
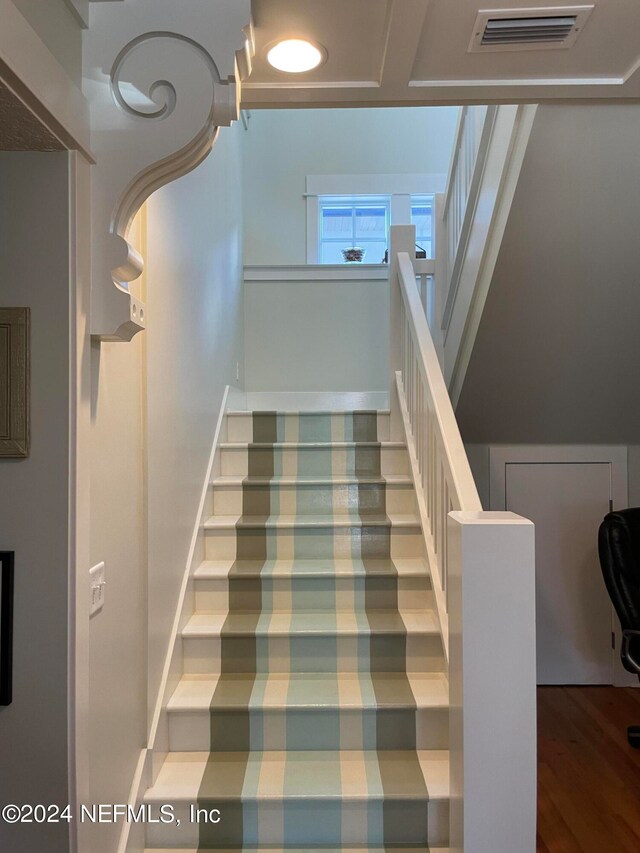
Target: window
column 422, row 218
column 357, row 221
column 357, row 210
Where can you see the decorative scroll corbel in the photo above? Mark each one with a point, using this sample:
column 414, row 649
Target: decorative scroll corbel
column 158, row 98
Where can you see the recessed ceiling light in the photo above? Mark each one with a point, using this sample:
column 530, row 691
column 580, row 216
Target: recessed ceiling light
column 295, row 56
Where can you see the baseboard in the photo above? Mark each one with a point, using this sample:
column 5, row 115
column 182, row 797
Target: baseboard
column 316, row 401
column 152, row 757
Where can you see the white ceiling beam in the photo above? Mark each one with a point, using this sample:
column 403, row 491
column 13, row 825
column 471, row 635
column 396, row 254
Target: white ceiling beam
column 405, row 20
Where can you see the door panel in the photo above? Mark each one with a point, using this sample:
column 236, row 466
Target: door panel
column 566, row 502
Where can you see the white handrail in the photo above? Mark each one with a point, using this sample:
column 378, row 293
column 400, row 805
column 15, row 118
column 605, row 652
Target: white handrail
column 445, row 475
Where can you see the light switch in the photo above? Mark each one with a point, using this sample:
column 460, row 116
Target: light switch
column 98, row 581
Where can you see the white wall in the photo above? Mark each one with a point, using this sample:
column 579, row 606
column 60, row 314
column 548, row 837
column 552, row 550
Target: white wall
column 117, row 646
column 57, row 27
column 155, row 406
column 34, row 492
column 282, row 147
column 195, row 341
column 317, row 335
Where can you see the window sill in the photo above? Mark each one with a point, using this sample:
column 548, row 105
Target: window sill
column 318, row 272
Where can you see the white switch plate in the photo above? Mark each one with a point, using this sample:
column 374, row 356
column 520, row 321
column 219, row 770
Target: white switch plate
column 98, row 580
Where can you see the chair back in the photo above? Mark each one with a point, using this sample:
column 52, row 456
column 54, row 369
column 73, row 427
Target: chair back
column 619, row 550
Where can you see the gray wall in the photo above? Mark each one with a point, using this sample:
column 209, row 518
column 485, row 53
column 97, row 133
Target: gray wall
column 34, row 512
column 557, row 357
column 59, row 30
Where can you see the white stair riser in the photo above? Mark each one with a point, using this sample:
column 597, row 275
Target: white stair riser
column 356, row 818
column 413, row 593
column 240, row 426
column 308, row 543
column 190, row 731
column 234, row 461
column 316, row 500
column 311, row 653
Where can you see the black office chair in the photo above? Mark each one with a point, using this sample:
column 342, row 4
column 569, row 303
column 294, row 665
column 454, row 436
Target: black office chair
column 619, row 549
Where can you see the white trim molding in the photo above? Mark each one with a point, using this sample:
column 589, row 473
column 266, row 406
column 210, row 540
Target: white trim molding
column 502, row 455
column 315, row 401
column 162, row 78
column 376, row 184
column 318, row 272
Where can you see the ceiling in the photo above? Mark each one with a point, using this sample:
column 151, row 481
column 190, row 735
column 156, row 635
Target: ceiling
column 416, row 51
column 20, row 130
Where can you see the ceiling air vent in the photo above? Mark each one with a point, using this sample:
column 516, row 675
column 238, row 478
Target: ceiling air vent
column 543, row 28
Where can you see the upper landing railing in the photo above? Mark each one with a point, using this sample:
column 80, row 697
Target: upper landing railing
column 470, row 219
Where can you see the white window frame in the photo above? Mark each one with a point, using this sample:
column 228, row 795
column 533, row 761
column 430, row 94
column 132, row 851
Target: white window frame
column 353, row 202
column 424, row 198
column 398, row 188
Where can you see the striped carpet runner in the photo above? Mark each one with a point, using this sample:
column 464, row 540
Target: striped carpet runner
column 313, row 708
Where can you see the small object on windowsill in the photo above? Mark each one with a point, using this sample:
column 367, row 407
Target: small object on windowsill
column 421, row 254
column 354, row 255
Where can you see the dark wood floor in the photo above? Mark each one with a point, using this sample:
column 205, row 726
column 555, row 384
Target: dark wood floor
column 588, row 776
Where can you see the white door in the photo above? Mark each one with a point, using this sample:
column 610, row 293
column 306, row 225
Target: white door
column 566, row 502
column 566, row 490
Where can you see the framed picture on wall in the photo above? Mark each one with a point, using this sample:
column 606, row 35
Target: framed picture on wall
column 6, row 626
column 14, row 382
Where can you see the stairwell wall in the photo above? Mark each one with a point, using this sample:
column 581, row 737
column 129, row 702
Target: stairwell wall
column 282, row 147
column 195, row 349
column 566, row 275
column 155, row 407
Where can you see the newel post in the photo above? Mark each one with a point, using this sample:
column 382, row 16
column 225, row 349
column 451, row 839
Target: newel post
column 492, row 677
column 402, row 238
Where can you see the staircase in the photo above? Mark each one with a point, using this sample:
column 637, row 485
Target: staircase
column 313, row 708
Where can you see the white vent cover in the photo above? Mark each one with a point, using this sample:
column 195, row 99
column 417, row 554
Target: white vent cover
column 540, row 28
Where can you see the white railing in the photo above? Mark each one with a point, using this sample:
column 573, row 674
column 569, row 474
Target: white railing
column 471, row 217
column 445, row 477
column 482, row 569
column 469, row 154
column 425, row 270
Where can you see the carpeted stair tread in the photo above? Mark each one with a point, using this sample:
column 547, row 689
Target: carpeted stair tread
column 231, row 480
column 230, row 522
column 400, row 567
column 311, row 622
column 280, row 775
column 313, row 690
